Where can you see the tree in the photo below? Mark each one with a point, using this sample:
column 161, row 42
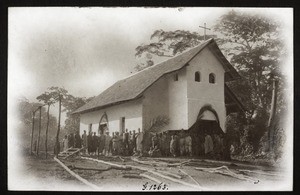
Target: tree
column 48, row 100
column 167, row 44
column 25, row 111
column 70, row 104
column 56, row 94
column 254, row 46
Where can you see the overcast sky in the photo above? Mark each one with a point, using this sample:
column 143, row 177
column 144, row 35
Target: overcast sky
column 85, row 50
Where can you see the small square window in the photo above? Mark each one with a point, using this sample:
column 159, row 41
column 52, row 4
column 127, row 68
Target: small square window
column 197, row 76
column 176, row 77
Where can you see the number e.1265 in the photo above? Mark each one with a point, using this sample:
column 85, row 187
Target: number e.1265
column 161, row 186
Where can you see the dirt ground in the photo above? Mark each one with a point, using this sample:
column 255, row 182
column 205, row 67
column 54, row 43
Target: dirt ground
column 47, row 174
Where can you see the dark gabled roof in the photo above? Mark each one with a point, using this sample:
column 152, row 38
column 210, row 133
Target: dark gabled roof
column 232, row 103
column 133, row 86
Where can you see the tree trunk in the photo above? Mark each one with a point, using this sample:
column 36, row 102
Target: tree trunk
column 40, row 123
column 46, row 142
column 57, row 148
column 32, row 131
column 272, row 116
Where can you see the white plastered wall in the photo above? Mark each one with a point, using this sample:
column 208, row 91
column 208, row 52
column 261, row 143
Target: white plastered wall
column 132, row 111
column 203, row 92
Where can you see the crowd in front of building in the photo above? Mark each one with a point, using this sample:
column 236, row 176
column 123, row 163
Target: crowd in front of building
column 132, row 143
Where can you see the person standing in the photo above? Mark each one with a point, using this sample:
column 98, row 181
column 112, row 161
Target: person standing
column 139, row 139
column 71, row 140
column 107, row 144
column 201, row 143
column 101, row 143
column 159, row 143
column 134, row 140
column 114, row 144
column 188, row 145
column 221, row 147
column 84, row 141
column 94, row 143
column 173, row 146
column 208, row 145
column 176, row 139
column 167, row 144
column 217, row 146
column 154, row 140
column 181, row 143
column 163, row 144
column 125, row 140
column 65, row 143
column 121, row 145
column 77, row 140
column 90, row 143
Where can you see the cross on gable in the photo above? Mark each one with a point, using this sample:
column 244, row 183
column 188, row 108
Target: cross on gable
column 204, row 27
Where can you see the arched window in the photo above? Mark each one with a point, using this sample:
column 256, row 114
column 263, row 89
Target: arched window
column 212, row 78
column 197, row 76
column 103, row 124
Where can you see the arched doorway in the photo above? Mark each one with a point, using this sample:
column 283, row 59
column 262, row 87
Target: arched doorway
column 207, row 123
column 103, row 124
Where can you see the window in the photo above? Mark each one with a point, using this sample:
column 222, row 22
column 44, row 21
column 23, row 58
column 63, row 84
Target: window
column 176, row 77
column 212, row 78
column 197, row 76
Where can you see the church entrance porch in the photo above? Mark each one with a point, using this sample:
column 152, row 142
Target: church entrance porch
column 207, row 139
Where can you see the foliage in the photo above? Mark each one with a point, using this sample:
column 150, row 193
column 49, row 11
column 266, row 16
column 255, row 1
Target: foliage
column 155, row 125
column 69, row 103
column 158, row 123
column 25, row 109
column 255, row 48
column 167, row 44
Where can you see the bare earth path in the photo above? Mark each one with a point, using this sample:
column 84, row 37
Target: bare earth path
column 41, row 174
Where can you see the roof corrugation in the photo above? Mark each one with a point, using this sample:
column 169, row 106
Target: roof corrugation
column 133, row 86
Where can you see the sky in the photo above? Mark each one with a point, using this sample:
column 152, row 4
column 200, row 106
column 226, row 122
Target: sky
column 85, row 50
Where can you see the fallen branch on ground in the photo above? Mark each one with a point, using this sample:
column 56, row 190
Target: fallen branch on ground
column 178, row 164
column 156, row 163
column 77, row 176
column 144, row 162
column 180, row 170
column 151, row 178
column 134, row 176
column 121, row 159
column 88, row 168
column 228, row 173
column 170, row 174
column 169, row 178
column 115, row 166
column 77, row 151
column 257, row 172
column 151, row 171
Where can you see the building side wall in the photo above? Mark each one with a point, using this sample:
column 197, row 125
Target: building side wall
column 132, row 111
column 203, row 92
column 177, row 92
column 156, row 102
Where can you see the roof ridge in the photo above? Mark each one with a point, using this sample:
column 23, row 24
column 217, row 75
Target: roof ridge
column 147, row 68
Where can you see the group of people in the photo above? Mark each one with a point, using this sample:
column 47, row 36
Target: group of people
column 71, row 140
column 161, row 144
column 127, row 143
column 185, row 144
